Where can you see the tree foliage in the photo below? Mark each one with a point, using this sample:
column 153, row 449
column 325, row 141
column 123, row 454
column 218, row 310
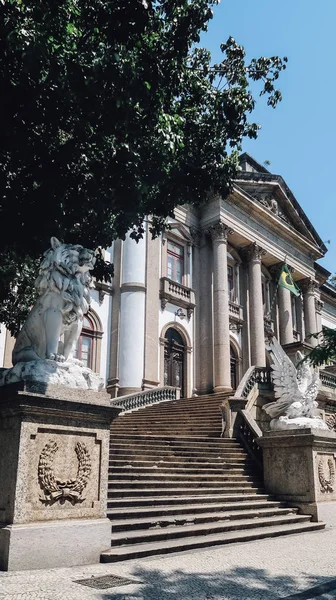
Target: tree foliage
column 109, row 112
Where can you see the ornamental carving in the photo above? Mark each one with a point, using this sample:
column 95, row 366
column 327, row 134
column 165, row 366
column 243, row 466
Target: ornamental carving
column 326, row 480
column 269, row 202
column 254, row 252
column 331, row 422
column 219, row 232
column 309, row 285
column 69, row 489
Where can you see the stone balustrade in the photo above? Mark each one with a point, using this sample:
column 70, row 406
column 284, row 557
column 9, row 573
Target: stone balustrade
column 176, row 293
column 328, row 379
column 235, row 311
column 146, row 398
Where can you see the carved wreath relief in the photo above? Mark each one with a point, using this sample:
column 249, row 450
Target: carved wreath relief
column 56, row 489
column 327, row 482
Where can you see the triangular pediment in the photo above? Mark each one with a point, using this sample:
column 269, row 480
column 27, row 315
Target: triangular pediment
column 180, row 230
column 271, row 192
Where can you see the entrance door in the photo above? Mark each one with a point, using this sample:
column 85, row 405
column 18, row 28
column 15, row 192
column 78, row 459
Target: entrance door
column 174, row 359
column 233, row 368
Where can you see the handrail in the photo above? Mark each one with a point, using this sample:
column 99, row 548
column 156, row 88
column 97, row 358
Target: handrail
column 254, row 375
column 146, row 398
column 248, row 431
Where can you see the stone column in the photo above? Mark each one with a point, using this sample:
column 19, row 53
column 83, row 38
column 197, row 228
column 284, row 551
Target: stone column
column 221, row 334
column 132, row 316
column 257, row 337
column 151, row 360
column 308, row 288
column 203, row 345
column 285, row 316
column 113, row 380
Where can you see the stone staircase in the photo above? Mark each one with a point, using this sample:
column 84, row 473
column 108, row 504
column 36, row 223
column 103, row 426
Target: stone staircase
column 175, row 485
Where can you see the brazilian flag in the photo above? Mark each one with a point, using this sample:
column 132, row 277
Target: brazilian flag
column 286, row 281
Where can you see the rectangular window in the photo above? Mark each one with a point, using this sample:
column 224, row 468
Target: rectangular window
column 175, row 262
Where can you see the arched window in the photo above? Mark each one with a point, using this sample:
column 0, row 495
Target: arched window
column 88, row 346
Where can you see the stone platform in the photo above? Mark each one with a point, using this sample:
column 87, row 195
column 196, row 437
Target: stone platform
column 300, row 467
column 53, row 473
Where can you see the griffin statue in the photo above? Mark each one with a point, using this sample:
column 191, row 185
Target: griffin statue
column 296, row 390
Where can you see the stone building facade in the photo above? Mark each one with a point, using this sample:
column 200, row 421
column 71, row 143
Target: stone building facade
column 188, row 309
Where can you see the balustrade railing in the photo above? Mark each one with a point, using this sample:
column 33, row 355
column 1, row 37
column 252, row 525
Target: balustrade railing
column 327, row 379
column 248, row 431
column 253, row 376
column 146, row 398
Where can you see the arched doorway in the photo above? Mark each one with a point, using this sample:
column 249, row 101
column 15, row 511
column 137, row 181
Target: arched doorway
column 233, row 368
column 174, row 359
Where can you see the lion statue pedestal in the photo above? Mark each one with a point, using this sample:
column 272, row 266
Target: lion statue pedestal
column 55, row 423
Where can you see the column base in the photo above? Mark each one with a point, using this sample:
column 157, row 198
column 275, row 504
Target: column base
column 53, row 544
column 222, row 388
column 127, row 391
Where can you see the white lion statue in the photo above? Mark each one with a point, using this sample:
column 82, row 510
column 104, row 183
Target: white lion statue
column 63, row 288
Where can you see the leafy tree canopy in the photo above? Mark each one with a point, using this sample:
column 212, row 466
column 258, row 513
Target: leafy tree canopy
column 110, row 111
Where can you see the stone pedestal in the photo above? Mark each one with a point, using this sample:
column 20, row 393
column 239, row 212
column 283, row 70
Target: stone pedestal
column 299, row 467
column 54, row 456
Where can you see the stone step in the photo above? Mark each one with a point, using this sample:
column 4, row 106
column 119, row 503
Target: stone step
column 140, row 501
column 142, row 477
column 180, row 440
column 208, row 507
column 166, row 483
column 175, row 532
column 190, row 431
column 184, row 457
column 178, row 466
column 116, row 554
column 134, row 467
column 178, row 520
column 183, row 448
column 134, row 491
column 211, row 427
column 166, row 420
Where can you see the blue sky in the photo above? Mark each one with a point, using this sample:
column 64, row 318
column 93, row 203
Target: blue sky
column 298, row 137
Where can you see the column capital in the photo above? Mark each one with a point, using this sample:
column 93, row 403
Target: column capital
column 254, row 252
column 275, row 270
column 219, row 232
column 309, row 285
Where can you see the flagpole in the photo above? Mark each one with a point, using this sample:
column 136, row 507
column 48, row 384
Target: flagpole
column 269, row 313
